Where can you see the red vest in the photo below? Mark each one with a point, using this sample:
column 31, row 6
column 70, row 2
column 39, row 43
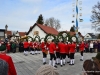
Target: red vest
column 52, row 48
column 72, row 48
column 30, row 45
column 67, row 48
column 62, row 48
column 81, row 46
column 26, row 44
column 43, row 46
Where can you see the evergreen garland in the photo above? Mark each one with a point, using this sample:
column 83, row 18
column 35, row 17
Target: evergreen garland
column 37, row 36
column 28, row 37
column 72, row 40
column 46, row 37
column 60, row 36
column 41, row 39
column 65, row 38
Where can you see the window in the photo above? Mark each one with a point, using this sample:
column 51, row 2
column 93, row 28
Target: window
column 87, row 36
column 36, row 32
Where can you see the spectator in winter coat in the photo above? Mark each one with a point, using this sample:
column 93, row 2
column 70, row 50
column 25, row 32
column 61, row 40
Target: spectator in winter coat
column 91, row 46
column 99, row 46
column 8, row 59
column 3, row 67
column 95, row 46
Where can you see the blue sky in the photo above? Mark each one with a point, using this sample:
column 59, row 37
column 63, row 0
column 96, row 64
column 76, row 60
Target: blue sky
column 21, row 14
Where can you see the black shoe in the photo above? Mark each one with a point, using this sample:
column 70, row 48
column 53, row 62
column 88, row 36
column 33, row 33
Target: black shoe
column 44, row 63
column 81, row 60
column 61, row 65
column 68, row 62
column 55, row 66
column 72, row 64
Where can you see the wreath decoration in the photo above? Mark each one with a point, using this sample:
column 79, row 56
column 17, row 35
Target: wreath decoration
column 37, row 36
column 47, row 37
column 67, row 38
column 60, row 37
column 74, row 38
column 28, row 37
column 41, row 39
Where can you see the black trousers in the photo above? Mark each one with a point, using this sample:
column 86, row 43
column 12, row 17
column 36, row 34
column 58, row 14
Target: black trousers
column 32, row 49
column 21, row 49
column 14, row 50
column 68, row 55
column 71, row 55
column 87, row 49
column 62, row 56
column 91, row 50
column 26, row 49
column 52, row 56
column 57, row 55
column 44, row 54
column 81, row 53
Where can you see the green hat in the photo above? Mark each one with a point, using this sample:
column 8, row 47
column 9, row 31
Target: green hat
column 2, row 47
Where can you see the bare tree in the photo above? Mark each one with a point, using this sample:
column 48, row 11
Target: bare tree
column 52, row 22
column 95, row 18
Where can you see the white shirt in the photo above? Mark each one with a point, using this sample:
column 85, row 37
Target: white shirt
column 91, row 45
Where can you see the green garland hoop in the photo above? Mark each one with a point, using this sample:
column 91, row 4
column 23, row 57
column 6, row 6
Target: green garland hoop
column 68, row 36
column 76, row 38
column 41, row 39
column 61, row 33
column 30, row 37
column 46, row 37
column 37, row 36
column 59, row 36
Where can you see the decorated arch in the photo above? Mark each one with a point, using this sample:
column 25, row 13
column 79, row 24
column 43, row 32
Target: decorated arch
column 74, row 39
column 49, row 36
column 37, row 38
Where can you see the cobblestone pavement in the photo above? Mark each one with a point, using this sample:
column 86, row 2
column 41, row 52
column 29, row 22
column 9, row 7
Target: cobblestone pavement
column 28, row 65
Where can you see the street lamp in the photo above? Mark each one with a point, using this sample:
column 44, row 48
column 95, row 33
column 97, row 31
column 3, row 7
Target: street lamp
column 6, row 26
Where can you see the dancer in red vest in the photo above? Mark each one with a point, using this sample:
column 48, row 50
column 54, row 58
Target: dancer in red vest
column 26, row 47
column 81, row 47
column 62, row 53
column 44, row 51
column 72, row 52
column 31, row 47
column 35, row 47
column 52, row 49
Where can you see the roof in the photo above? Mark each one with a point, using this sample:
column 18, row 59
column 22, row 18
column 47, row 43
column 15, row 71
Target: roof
column 92, row 35
column 46, row 29
column 9, row 32
column 2, row 29
column 22, row 33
